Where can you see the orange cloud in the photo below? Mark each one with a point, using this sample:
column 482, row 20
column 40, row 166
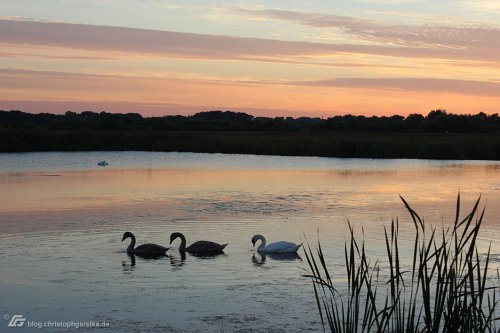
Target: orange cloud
column 158, row 96
column 59, row 66
column 465, row 87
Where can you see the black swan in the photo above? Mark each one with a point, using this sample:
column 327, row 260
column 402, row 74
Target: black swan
column 145, row 250
column 199, row 247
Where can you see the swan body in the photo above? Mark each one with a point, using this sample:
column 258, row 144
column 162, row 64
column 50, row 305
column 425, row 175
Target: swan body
column 145, row 250
column 199, row 247
column 278, row 247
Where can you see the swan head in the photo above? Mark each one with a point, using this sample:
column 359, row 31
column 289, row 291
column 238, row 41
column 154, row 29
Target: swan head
column 255, row 239
column 127, row 235
column 175, row 235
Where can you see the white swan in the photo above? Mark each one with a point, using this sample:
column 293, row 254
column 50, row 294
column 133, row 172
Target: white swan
column 278, row 247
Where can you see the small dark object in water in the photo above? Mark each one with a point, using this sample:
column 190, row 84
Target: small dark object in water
column 102, row 163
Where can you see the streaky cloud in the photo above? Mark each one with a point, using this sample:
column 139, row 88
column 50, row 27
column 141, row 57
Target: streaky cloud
column 145, row 41
column 466, row 87
column 204, row 46
column 460, row 38
column 50, row 56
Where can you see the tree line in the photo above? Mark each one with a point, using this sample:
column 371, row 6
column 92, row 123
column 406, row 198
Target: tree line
column 436, row 121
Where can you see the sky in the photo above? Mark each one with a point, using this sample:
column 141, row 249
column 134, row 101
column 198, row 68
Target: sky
column 266, row 58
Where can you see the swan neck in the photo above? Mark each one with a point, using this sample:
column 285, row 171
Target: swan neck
column 262, row 244
column 131, row 246
column 182, row 247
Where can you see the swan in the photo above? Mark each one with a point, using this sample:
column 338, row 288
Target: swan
column 146, row 250
column 199, row 247
column 278, row 247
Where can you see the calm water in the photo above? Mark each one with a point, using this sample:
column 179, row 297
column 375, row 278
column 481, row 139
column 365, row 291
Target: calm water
column 62, row 219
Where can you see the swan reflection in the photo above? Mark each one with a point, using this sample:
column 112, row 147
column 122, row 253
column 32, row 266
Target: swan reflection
column 129, row 265
column 259, row 259
column 179, row 261
column 208, row 255
column 176, row 261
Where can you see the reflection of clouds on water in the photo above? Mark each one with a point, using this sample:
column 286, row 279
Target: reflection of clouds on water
column 78, row 268
column 244, row 203
column 255, row 203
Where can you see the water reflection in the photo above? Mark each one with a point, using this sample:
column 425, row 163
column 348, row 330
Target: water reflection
column 259, row 259
column 207, row 255
column 129, row 265
column 181, row 260
column 88, row 208
column 176, row 261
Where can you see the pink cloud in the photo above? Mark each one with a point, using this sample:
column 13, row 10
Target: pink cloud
column 189, row 45
column 145, row 41
column 465, row 87
column 464, row 38
column 88, row 83
column 50, row 56
column 57, row 92
column 145, row 109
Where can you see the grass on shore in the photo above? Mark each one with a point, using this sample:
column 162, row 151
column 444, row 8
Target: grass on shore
column 471, row 146
column 447, row 289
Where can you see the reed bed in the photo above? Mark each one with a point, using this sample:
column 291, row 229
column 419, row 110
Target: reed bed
column 446, row 287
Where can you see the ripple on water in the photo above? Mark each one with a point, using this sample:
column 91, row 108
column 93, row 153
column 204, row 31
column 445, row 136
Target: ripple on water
column 75, row 266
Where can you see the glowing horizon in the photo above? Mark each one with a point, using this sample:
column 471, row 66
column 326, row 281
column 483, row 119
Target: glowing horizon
column 279, row 59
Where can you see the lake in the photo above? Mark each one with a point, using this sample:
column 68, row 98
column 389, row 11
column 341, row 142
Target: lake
column 62, row 218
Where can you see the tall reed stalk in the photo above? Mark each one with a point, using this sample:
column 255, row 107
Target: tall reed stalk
column 445, row 288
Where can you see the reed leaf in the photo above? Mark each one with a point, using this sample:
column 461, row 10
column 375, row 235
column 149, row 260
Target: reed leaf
column 446, row 287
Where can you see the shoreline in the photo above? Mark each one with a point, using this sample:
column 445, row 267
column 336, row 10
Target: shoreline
column 433, row 146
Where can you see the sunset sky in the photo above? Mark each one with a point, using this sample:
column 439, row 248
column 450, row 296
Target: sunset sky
column 270, row 58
